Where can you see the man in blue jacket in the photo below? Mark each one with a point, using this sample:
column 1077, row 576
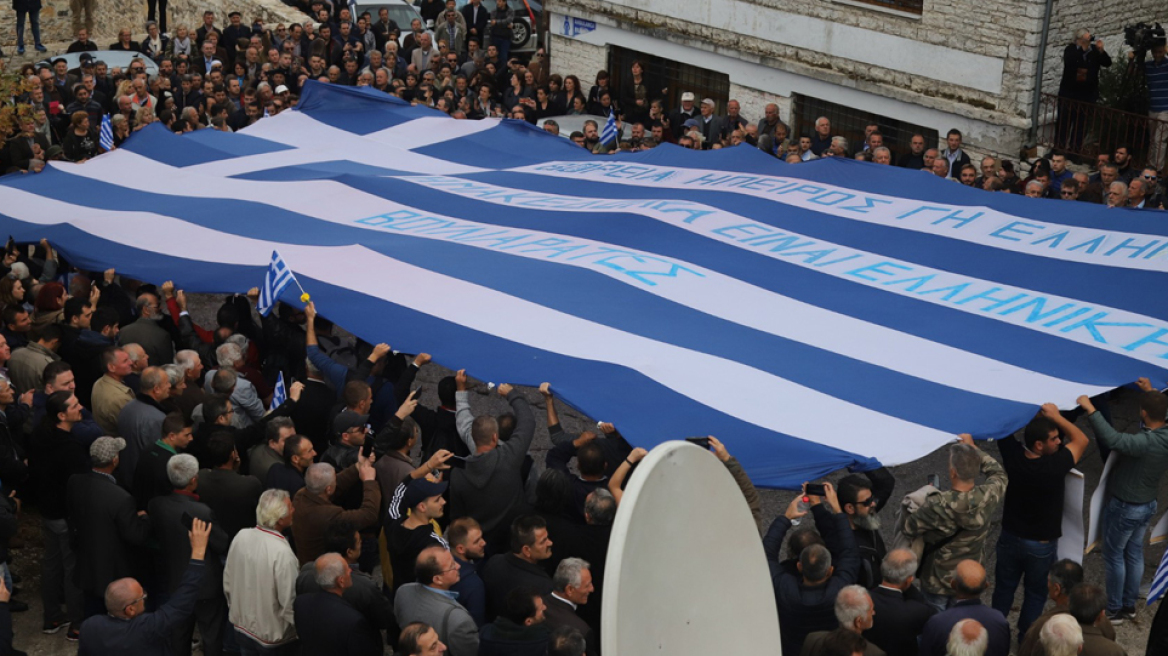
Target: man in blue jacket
column 805, row 590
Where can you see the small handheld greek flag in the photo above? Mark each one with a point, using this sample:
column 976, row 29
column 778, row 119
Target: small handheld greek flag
column 610, row 133
column 280, row 395
column 106, row 138
column 1159, row 581
column 277, row 278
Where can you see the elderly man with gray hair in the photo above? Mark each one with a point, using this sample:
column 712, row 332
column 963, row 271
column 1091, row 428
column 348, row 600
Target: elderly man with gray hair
column 854, row 610
column 170, row 514
column 571, row 586
column 193, row 393
column 244, row 397
column 1062, row 636
column 968, row 638
column 259, row 580
column 901, row 611
column 146, row 331
column 316, row 503
column 325, row 622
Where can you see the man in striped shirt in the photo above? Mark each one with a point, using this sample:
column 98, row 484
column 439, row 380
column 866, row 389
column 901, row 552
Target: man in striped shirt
column 1156, row 71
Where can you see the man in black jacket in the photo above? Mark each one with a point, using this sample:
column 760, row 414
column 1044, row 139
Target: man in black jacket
column 126, row 627
column 805, row 591
column 104, row 524
column 151, row 478
column 230, row 495
column 168, row 514
column 325, row 622
column 365, row 594
column 520, row 567
column 54, row 456
column 861, row 497
column 901, row 611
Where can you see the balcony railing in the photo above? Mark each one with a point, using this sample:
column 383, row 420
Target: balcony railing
column 1086, row 129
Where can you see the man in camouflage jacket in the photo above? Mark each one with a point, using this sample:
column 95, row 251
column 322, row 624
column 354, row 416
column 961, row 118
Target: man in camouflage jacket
column 954, row 524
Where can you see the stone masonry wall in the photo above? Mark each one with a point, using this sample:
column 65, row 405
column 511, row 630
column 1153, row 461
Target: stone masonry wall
column 1006, row 29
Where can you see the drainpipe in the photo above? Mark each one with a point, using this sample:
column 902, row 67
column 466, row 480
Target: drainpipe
column 1036, row 100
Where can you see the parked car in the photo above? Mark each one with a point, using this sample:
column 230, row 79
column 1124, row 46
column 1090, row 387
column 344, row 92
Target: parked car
column 112, row 58
column 400, row 12
column 525, row 29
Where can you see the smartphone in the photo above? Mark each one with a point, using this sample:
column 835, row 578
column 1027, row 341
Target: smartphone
column 367, row 447
column 703, row 442
column 816, row 490
column 187, row 520
column 457, row 462
column 935, row 481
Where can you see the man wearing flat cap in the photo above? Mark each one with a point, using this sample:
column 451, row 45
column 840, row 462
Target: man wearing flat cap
column 104, row 524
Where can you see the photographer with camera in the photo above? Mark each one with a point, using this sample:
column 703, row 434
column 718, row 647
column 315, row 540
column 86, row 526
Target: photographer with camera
column 1082, row 60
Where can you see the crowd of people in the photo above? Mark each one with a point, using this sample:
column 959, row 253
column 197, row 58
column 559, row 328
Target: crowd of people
column 176, row 490
column 457, row 61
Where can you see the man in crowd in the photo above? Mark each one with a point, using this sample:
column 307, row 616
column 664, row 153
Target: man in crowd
column 230, row 495
column 822, row 564
column 1065, row 575
column 861, row 497
column 363, row 593
column 411, row 527
column 105, row 523
column 169, row 513
column 151, row 478
column 1132, row 491
column 519, row 630
column 954, row 524
column 490, row 487
column 969, row 582
column 429, row 600
column 259, row 581
column 1088, row 605
column 520, row 566
column 140, row 421
column 571, row 586
column 854, row 610
column 316, row 504
column 900, row 610
column 126, row 627
column 110, row 393
column 325, row 622
column 1033, row 509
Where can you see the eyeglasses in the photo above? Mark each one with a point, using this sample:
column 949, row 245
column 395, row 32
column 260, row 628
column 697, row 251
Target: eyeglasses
column 1068, row 193
column 1150, row 177
column 142, row 598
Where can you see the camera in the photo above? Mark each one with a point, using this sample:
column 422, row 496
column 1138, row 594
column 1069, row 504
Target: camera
column 1142, row 37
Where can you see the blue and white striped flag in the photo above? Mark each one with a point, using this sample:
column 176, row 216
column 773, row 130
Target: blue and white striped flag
column 280, row 394
column 1159, row 581
column 610, row 134
column 881, row 311
column 106, row 138
column 277, row 278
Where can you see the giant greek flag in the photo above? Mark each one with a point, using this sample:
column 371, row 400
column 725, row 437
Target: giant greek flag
column 812, row 316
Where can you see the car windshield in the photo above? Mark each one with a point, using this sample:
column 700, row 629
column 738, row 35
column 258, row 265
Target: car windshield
column 401, row 14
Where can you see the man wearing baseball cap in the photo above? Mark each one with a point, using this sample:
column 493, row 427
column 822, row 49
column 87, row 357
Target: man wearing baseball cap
column 105, row 523
column 678, row 117
column 410, row 525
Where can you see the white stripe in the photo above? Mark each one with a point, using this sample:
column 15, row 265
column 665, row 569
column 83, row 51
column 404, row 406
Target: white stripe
column 979, row 230
column 890, row 439
column 428, row 131
column 844, row 263
column 316, row 142
column 708, row 291
column 301, row 128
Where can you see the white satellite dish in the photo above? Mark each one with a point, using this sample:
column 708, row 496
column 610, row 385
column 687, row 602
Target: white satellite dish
column 686, row 574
